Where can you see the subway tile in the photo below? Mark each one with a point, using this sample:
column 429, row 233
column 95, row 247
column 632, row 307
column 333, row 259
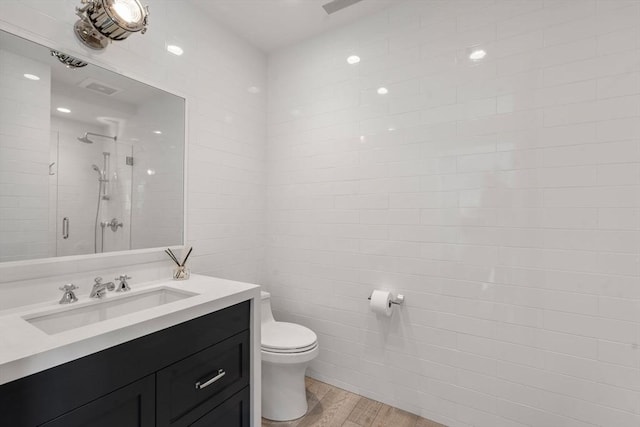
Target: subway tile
column 504, row 203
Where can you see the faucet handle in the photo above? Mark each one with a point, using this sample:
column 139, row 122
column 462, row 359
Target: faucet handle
column 123, row 285
column 98, row 280
column 68, row 296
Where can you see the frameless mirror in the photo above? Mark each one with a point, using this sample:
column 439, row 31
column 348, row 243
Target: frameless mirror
column 90, row 161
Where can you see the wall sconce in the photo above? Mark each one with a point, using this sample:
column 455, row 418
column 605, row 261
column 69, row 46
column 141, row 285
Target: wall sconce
column 104, row 20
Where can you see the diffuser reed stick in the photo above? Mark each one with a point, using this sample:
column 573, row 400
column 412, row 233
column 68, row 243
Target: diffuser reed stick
column 172, row 256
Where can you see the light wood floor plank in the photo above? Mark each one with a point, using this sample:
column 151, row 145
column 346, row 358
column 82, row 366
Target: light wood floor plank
column 316, row 390
column 332, row 410
column 390, row 416
column 364, row 413
column 331, row 406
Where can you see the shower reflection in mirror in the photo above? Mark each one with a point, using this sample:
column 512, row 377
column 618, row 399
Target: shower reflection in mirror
column 95, row 207
column 103, row 195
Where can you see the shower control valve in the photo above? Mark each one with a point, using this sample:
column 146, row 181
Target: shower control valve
column 113, row 224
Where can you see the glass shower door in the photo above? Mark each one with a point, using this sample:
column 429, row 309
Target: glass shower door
column 92, row 193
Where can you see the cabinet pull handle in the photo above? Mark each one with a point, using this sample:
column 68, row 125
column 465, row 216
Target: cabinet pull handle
column 221, row 373
column 65, row 227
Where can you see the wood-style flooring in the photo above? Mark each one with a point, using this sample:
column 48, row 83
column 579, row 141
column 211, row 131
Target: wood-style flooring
column 330, row 406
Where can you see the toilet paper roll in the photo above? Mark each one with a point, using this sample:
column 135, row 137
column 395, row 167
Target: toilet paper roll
column 381, row 303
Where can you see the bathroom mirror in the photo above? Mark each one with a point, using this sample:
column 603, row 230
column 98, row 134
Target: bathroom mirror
column 90, row 161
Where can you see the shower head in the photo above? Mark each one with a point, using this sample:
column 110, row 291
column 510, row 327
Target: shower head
column 86, row 140
column 101, row 173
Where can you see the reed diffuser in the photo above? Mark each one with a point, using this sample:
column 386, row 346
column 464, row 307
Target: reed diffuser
column 180, row 272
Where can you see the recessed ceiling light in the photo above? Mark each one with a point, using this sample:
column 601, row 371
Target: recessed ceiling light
column 253, row 89
column 383, row 91
column 176, row 50
column 157, row 132
column 353, row 59
column 477, row 55
column 31, row 77
column 151, row 172
column 63, row 110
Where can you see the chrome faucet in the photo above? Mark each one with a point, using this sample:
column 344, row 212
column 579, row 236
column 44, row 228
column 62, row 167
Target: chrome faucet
column 100, row 289
column 123, row 285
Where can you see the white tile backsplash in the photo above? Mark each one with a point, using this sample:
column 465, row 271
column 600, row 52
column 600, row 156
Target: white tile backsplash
column 500, row 196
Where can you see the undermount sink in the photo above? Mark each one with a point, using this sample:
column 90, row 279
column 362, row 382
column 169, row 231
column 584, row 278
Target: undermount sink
column 61, row 320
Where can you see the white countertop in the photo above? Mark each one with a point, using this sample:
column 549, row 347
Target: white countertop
column 25, row 349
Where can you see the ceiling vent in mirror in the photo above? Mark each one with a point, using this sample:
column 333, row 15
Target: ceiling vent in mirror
column 98, row 86
column 68, row 60
column 104, row 20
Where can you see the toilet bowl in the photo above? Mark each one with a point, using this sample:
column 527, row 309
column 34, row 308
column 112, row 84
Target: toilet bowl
column 286, row 350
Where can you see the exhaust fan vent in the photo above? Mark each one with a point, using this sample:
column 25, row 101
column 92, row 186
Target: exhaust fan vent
column 100, row 87
column 336, row 5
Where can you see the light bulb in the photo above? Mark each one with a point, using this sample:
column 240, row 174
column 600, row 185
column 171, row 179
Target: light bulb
column 477, row 55
column 353, row 59
column 176, row 50
column 128, row 10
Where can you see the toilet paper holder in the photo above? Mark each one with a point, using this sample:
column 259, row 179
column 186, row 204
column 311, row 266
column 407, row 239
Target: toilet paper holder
column 398, row 299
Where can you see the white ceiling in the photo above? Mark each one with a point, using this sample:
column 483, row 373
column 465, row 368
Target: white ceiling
column 272, row 24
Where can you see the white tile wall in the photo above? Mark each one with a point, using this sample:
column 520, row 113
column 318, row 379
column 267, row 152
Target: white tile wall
column 24, row 157
column 157, row 208
column 226, row 123
column 502, row 197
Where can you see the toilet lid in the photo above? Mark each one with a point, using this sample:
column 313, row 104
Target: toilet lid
column 284, row 337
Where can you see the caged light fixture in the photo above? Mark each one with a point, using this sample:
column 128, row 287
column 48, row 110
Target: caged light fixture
column 104, row 20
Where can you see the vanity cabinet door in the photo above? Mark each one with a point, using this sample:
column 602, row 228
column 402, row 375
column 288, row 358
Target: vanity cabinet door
column 130, row 406
column 234, row 412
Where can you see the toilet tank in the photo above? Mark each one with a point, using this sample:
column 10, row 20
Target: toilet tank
column 267, row 314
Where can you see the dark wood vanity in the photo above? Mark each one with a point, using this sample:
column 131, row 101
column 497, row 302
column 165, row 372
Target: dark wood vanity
column 196, row 373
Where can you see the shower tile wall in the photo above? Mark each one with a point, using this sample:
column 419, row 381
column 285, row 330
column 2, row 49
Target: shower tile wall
column 226, row 123
column 501, row 196
column 157, row 181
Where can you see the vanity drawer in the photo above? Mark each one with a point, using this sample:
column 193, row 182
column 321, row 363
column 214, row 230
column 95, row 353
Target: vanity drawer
column 190, row 388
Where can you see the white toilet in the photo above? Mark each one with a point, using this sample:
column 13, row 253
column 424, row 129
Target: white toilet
column 287, row 349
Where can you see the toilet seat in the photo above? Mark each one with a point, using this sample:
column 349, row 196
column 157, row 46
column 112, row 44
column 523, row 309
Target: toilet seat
column 287, row 338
